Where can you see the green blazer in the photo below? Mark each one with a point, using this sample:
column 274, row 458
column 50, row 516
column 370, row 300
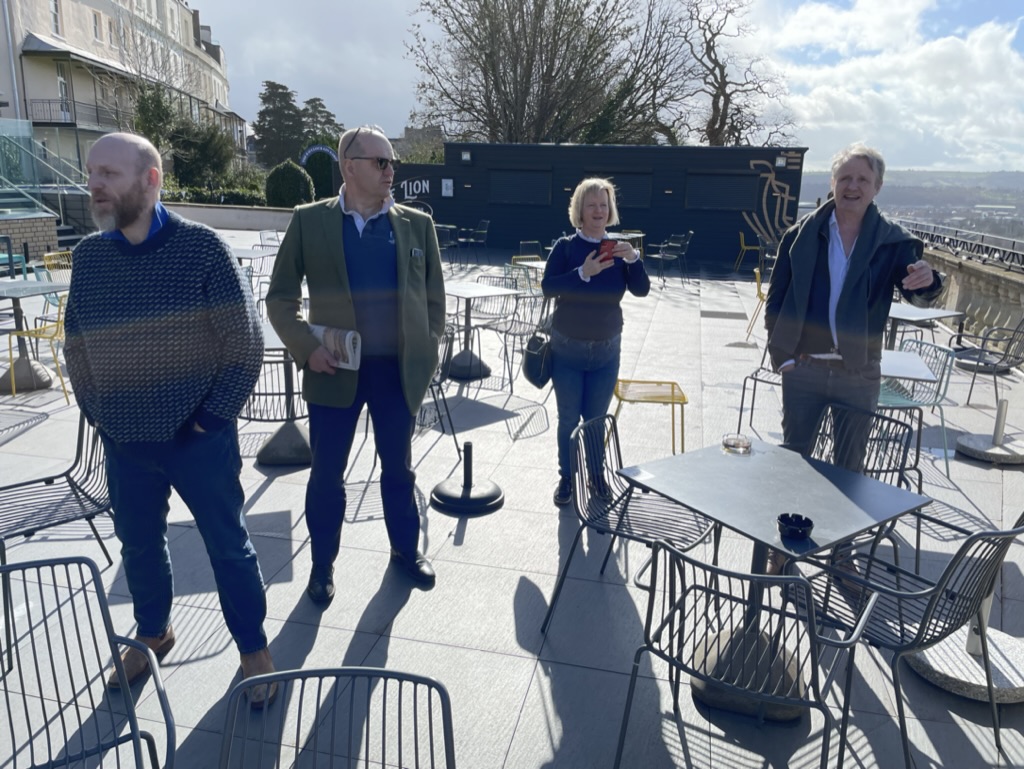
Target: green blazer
column 313, row 249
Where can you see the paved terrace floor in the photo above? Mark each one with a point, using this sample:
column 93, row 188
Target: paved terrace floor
column 522, row 700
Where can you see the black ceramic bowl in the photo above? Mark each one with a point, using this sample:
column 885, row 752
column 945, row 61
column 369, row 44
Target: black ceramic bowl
column 795, row 526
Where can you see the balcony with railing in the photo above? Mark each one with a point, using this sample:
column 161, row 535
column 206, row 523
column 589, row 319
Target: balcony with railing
column 82, row 114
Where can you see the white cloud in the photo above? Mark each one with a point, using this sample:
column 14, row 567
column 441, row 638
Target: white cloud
column 867, row 73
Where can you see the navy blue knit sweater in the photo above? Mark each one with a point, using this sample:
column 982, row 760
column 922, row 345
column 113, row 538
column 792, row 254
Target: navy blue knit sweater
column 160, row 335
column 589, row 310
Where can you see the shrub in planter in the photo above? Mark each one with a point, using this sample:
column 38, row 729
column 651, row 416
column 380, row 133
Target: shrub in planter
column 288, row 185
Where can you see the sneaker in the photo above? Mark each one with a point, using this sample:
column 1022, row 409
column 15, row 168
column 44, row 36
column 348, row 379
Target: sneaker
column 563, row 494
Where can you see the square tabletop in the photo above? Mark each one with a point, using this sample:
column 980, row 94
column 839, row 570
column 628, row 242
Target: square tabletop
column 903, row 364
column 909, row 313
column 747, row 493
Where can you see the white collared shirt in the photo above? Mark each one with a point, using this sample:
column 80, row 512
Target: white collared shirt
column 838, row 265
column 360, row 223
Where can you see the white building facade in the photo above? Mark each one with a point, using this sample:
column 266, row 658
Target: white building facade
column 72, row 68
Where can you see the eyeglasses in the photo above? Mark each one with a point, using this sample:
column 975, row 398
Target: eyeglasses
column 382, row 163
column 360, row 129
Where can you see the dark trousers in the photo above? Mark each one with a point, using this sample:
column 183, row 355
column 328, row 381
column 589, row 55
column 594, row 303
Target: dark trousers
column 203, row 468
column 331, row 432
column 809, row 387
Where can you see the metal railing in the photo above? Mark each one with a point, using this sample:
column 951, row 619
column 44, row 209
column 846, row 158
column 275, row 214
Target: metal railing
column 973, row 246
column 77, row 113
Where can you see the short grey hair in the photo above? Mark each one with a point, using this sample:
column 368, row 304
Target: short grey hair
column 870, row 155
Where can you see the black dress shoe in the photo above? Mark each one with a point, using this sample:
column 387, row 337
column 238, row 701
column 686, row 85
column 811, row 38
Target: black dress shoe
column 416, row 566
column 321, row 585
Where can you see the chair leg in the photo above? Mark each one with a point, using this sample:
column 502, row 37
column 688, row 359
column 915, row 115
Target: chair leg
column 945, row 448
column 969, row 392
column 629, row 705
column 982, row 630
column 451, row 424
column 898, row 692
column 60, row 375
column 847, row 696
column 608, row 553
column 561, row 581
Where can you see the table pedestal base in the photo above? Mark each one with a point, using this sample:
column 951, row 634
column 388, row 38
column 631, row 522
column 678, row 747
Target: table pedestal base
column 466, row 497
column 740, row 656
column 1009, row 452
column 289, row 445
column 467, row 366
column 950, row 667
column 29, row 374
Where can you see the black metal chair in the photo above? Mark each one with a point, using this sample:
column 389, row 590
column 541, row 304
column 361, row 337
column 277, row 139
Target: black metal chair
column 733, row 632
column 348, row 716
column 60, row 644
column 79, row 493
column 436, row 388
column 474, row 239
column 277, row 394
column 998, row 351
column 914, row 612
column 763, row 374
column 606, row 504
column 528, row 313
column 865, row 442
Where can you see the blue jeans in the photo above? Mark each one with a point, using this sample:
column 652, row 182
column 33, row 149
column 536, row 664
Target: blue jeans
column 203, row 468
column 808, row 388
column 331, row 431
column 583, row 374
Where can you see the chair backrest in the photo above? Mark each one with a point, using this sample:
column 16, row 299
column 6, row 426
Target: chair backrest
column 270, row 237
column 88, row 473
column 59, row 643
column 349, row 716
column 683, row 240
column 491, row 307
column 59, row 265
column 702, row 621
column 445, row 348
column 939, row 360
column 1013, row 350
column 43, row 274
column 530, row 248
column 269, row 401
column 863, row 441
column 966, row 581
column 530, row 311
column 595, row 461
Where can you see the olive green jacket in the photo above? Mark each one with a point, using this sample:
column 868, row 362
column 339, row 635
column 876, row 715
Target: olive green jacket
column 312, row 248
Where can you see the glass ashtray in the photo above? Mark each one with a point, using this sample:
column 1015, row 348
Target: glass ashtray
column 736, row 443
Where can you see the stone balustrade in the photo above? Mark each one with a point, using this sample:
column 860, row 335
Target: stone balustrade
column 988, row 294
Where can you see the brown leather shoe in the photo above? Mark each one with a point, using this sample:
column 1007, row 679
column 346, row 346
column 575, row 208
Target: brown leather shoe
column 258, row 664
column 136, row 663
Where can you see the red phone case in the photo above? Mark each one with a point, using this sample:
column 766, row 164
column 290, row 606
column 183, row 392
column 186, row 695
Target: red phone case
column 605, row 250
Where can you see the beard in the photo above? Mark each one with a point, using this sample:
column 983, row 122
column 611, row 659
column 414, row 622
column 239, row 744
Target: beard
column 124, row 211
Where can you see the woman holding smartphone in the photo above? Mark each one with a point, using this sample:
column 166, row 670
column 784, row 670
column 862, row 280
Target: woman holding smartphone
column 588, row 274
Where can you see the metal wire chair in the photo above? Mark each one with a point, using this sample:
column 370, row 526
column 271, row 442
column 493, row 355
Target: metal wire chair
column 348, row 716
column 59, row 645
column 914, row 612
column 733, row 632
column 605, row 503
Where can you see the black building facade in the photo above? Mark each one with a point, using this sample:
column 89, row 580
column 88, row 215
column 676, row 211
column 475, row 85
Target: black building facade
column 524, row 191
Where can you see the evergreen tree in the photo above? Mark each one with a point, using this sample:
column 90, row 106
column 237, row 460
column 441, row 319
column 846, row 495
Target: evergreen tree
column 279, row 125
column 319, row 123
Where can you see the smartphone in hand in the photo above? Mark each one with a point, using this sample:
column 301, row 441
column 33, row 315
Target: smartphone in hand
column 604, row 251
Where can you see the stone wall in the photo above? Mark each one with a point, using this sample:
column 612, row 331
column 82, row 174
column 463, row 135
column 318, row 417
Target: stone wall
column 988, row 295
column 38, row 230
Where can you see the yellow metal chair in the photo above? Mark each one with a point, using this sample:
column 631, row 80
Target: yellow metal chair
column 654, row 391
column 761, row 296
column 58, row 263
column 51, row 332
column 743, row 251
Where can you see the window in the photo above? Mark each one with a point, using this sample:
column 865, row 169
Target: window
column 97, row 26
column 722, row 191
column 111, row 37
column 55, row 16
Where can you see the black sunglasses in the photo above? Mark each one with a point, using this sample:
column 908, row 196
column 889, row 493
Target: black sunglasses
column 382, row 163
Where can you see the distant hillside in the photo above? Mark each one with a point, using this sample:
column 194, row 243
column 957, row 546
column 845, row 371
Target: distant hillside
column 946, row 189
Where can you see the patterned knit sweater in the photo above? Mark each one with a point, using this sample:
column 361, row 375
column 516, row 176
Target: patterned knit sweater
column 160, row 335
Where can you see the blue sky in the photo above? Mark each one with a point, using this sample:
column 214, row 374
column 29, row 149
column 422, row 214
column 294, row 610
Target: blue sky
column 931, row 83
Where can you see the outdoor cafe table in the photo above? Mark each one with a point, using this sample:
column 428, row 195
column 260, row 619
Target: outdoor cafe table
column 466, row 365
column 904, row 312
column 29, row 374
column 747, row 492
column 903, row 364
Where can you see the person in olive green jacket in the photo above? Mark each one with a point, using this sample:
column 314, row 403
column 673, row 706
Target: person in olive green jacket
column 374, row 267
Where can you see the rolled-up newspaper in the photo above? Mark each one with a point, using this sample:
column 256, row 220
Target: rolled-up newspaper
column 343, row 345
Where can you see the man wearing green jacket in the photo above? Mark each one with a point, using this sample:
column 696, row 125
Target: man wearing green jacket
column 374, row 267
